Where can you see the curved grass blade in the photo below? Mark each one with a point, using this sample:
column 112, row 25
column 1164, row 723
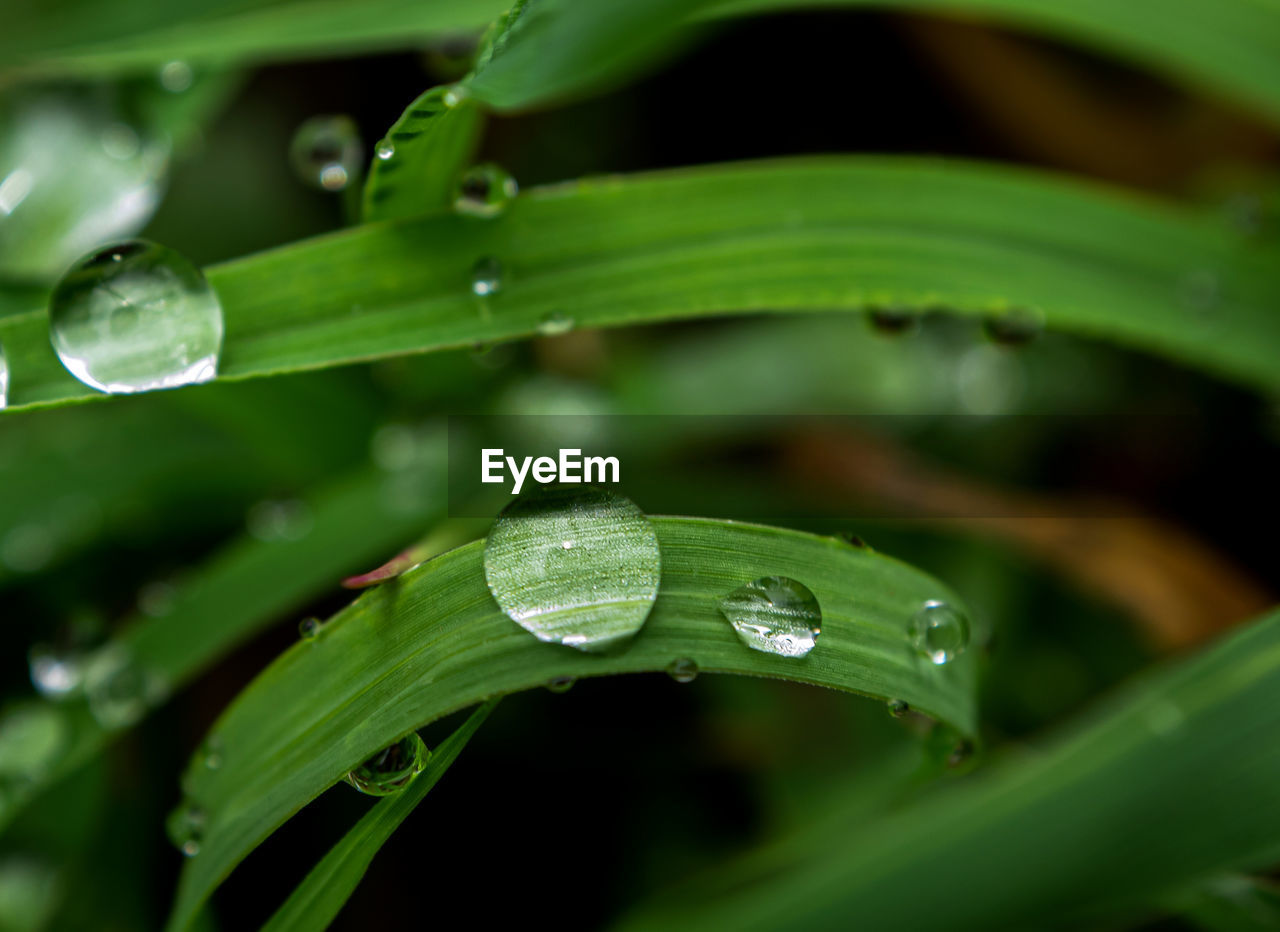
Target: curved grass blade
column 1232, row 903
column 1173, row 781
column 786, row 235
column 316, row 901
column 435, row 642
column 415, row 166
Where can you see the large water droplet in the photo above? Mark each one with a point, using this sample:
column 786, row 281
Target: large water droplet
column 57, row 669
column 484, row 191
column 898, row 708
column 326, row 152
column 136, row 317
column 554, row 324
column 120, row 690
column 4, row 377
column 385, row 150
column 683, row 670
column 391, row 769
column 592, row 594
column 1014, row 327
column 175, row 76
column 939, row 632
column 185, row 827
column 774, row 614
column 308, row 628
column 893, row 321
column 32, row 737
column 486, row 276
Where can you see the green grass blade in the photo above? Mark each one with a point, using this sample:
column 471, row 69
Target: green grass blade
column 1174, row 780
column 245, row 588
column 1233, row 903
column 788, row 235
column 316, row 901
column 434, row 642
column 430, row 145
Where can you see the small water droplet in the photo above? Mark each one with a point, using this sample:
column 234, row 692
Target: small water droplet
column 683, row 670
column 136, row 317
column 308, row 628
column 279, row 520
column 120, row 141
column 210, row 753
column 1014, row 327
column 391, row 769
column 119, row 690
column 486, row 276
column 185, row 827
column 561, row 684
column 484, row 191
column 898, row 708
column 4, row 377
column 962, row 751
column 55, row 674
column 455, row 95
column 326, row 152
column 939, row 632
column 853, row 540
column 176, row 76
column 32, row 738
column 591, row 596
column 893, row 321
column 554, row 324
column 385, row 150
column 774, row 614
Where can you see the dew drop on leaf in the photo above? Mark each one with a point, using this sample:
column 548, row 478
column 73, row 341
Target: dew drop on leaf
column 560, row 684
column 683, row 670
column 118, row 688
column 185, row 827
column 893, row 321
column 176, row 76
column 898, row 708
column 1014, row 327
column 593, row 595
column 136, row 317
column 391, row 769
column 486, row 276
column 484, row 191
column 385, row 150
column 308, row 628
column 326, row 152
column 775, row 615
column 939, row 632
column 554, row 324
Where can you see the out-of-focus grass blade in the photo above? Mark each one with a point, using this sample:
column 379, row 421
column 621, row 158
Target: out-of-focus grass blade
column 434, row 641
column 1232, row 903
column 416, row 164
column 1173, row 781
column 250, row 585
column 787, row 235
column 316, row 901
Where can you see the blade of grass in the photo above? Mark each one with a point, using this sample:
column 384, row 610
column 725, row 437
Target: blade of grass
column 316, row 901
column 1170, row 782
column 1232, row 903
column 434, row 641
column 787, row 235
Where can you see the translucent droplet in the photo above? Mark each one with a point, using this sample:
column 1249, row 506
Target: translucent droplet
column 185, row 827
column 774, row 614
column 561, row 684
column 308, row 628
column 939, row 632
column 683, row 670
column 32, row 738
column 484, row 191
column 55, row 674
column 455, row 95
column 1014, row 327
column 554, row 324
column 119, row 690
column 210, row 753
column 279, row 520
column 385, row 150
column 853, row 540
column 136, row 317
column 898, row 708
column 391, row 769
column 593, row 595
column 176, row 76
column 893, row 321
column 326, row 152
column 4, row 378
column 486, row 276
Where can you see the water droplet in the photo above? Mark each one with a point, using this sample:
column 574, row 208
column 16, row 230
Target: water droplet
column 898, row 708
column 1014, row 327
column 210, row 753
column 4, row 377
column 893, row 321
column 385, row 150
column 185, row 827
column 136, row 317
column 308, row 628
column 554, row 324
column 176, row 76
column 774, row 614
column 561, row 684
column 486, row 276
column 962, row 751
column 32, row 738
column 391, row 769
column 683, row 670
column 326, row 152
column 853, row 540
column 55, row 674
column 119, row 690
column 120, row 141
column 279, row 520
column 484, row 191
column 939, row 632
column 592, row 596
column 455, row 95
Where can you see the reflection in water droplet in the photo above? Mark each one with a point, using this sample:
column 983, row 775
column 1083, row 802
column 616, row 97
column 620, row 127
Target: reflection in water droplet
column 484, row 191
column 893, row 321
column 385, row 150
column 308, row 628
column 486, row 276
column 136, row 317
column 326, row 152
column 591, row 596
column 185, row 827
column 32, row 738
column 281, row 520
column 774, row 614
column 898, row 708
column 4, row 377
column 554, row 324
column 119, row 690
column 561, row 684
column 391, row 769
column 939, row 632
column 1014, row 327
column 176, row 76
column 683, row 670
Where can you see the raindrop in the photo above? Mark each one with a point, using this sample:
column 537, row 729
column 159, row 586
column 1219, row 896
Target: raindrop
column 136, row 317
column 898, row 708
column 893, row 321
column 308, row 628
column 853, row 540
column 176, row 76
column 119, row 690
column 554, row 324
column 683, row 670
column 55, row 674
column 560, row 684
column 391, row 769
column 32, row 737
column 455, row 95
column 4, row 378
column 774, row 614
column 1014, row 327
column 939, row 632
column 486, row 276
column 326, row 152
column 484, row 191
column 593, row 595
column 279, row 520
column 385, row 150
column 185, row 827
